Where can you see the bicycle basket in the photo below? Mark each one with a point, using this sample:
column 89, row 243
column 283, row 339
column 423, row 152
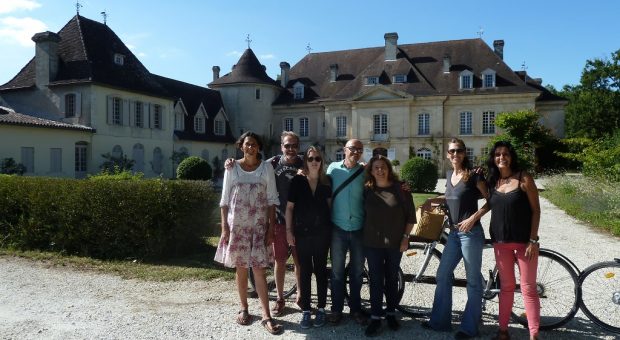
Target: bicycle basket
column 430, row 224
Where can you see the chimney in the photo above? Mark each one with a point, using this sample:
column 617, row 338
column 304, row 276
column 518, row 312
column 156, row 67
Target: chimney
column 284, row 68
column 391, row 40
column 333, row 72
column 46, row 57
column 446, row 63
column 216, row 72
column 498, row 48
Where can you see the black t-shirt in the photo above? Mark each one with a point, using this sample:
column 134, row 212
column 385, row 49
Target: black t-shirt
column 511, row 216
column 284, row 174
column 462, row 198
column 311, row 216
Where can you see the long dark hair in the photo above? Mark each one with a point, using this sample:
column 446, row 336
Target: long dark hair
column 466, row 162
column 369, row 180
column 493, row 170
column 322, row 176
column 259, row 141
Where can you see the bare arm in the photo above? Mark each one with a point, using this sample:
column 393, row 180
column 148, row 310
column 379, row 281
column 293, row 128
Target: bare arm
column 271, row 217
column 224, row 222
column 529, row 186
column 290, row 238
column 469, row 222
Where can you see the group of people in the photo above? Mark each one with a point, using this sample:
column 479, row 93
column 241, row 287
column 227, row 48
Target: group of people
column 363, row 210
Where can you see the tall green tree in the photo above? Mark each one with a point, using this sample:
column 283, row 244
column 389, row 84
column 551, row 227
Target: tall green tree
column 593, row 110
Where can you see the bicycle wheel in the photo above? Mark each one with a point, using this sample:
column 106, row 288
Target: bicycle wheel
column 419, row 286
column 558, row 290
column 600, row 299
column 290, row 281
column 365, row 289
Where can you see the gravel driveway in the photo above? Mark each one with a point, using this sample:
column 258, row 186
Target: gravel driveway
column 42, row 301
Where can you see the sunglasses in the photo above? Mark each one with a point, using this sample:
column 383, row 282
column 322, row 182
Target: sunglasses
column 354, row 149
column 453, row 151
column 290, row 146
column 313, row 159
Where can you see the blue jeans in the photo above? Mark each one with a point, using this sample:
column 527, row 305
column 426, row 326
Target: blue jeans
column 383, row 266
column 343, row 241
column 468, row 246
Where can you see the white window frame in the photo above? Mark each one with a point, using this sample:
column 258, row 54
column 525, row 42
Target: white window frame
column 219, row 127
column 117, row 111
column 339, row 155
column 80, row 160
column 488, row 122
column 465, row 123
column 70, row 105
column 298, row 91
column 380, row 124
column 372, row 80
column 424, row 124
column 488, row 78
column 470, row 153
column 179, row 121
column 304, row 127
column 288, row 124
column 139, row 114
column 119, row 59
column 341, row 126
column 199, row 123
column 424, row 153
column 157, row 116
column 466, row 80
column 400, row 78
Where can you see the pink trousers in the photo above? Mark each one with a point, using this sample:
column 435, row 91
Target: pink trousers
column 506, row 255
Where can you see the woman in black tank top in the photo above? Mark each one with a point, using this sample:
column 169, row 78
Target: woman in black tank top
column 463, row 188
column 514, row 230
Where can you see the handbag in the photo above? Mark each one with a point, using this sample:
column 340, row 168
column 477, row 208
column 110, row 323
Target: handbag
column 430, row 224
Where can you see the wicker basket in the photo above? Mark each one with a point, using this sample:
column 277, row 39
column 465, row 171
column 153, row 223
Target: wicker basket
column 430, row 224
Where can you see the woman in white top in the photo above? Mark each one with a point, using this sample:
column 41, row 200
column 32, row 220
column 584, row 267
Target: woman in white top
column 248, row 203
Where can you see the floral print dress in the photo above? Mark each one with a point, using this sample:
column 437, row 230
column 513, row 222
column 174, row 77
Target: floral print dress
column 248, row 196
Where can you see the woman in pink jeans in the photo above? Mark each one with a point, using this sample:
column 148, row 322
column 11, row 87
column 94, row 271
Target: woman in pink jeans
column 514, row 230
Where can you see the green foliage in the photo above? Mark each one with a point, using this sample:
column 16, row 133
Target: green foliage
column 194, row 168
column 600, row 158
column 396, row 162
column 112, row 162
column 105, row 218
column 593, row 110
column 117, row 174
column 10, row 167
column 178, row 157
column 420, row 174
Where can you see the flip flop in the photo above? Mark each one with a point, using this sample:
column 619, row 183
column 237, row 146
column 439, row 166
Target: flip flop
column 278, row 307
column 244, row 318
column 271, row 326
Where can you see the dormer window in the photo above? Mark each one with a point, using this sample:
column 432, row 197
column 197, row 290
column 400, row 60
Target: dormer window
column 466, row 80
column 372, row 80
column 199, row 123
column 488, row 78
column 298, row 90
column 119, row 59
column 400, row 78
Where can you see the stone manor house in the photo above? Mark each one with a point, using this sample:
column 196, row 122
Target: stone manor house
column 85, row 94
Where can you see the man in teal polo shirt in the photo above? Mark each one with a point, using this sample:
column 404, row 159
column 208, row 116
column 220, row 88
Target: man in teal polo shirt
column 348, row 219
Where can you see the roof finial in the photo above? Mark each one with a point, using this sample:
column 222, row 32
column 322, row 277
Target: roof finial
column 480, row 32
column 77, row 6
column 105, row 17
column 524, row 68
column 308, row 48
column 248, row 40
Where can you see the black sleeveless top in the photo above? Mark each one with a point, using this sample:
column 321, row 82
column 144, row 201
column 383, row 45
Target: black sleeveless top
column 462, row 198
column 511, row 216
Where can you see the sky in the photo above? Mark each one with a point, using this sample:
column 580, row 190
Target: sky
column 184, row 39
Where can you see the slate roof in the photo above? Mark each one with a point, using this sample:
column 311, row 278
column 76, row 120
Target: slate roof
column 86, row 54
column 247, row 70
column 422, row 63
column 10, row 117
column 192, row 97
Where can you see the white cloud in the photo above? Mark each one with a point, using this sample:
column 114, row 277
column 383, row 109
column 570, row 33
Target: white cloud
column 233, row 53
column 8, row 6
column 266, row 56
column 141, row 54
column 20, row 30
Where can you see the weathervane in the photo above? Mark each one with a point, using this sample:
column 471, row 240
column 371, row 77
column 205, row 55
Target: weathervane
column 480, row 32
column 105, row 17
column 308, row 48
column 248, row 40
column 77, row 6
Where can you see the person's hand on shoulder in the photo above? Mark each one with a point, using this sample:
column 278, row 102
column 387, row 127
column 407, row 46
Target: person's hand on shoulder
column 229, row 163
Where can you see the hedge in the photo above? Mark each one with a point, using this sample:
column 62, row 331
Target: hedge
column 107, row 219
column 420, row 174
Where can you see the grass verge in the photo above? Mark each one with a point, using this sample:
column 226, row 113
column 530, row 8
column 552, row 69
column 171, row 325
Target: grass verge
column 594, row 201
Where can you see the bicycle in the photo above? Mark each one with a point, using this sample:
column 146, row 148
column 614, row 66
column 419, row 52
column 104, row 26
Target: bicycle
column 557, row 281
column 600, row 299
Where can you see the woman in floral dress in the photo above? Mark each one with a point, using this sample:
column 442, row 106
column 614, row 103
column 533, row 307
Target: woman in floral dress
column 248, row 203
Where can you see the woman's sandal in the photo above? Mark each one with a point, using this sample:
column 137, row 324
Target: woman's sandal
column 271, row 326
column 243, row 317
column 278, row 307
column 502, row 335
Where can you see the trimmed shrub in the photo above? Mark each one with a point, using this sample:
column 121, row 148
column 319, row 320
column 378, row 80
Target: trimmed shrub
column 420, row 174
column 10, row 167
column 194, row 168
column 109, row 219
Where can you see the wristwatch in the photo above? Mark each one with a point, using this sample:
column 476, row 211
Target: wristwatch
column 534, row 240
column 405, row 235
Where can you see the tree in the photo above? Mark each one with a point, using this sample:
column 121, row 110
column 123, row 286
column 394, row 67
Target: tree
column 10, row 167
column 194, row 168
column 593, row 110
column 420, row 174
column 113, row 164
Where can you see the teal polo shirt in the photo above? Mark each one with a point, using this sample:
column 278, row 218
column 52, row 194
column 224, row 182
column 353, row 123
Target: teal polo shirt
column 348, row 206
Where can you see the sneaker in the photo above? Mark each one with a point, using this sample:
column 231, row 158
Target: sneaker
column 392, row 322
column 373, row 327
column 319, row 319
column 306, row 320
column 360, row 318
column 335, row 318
